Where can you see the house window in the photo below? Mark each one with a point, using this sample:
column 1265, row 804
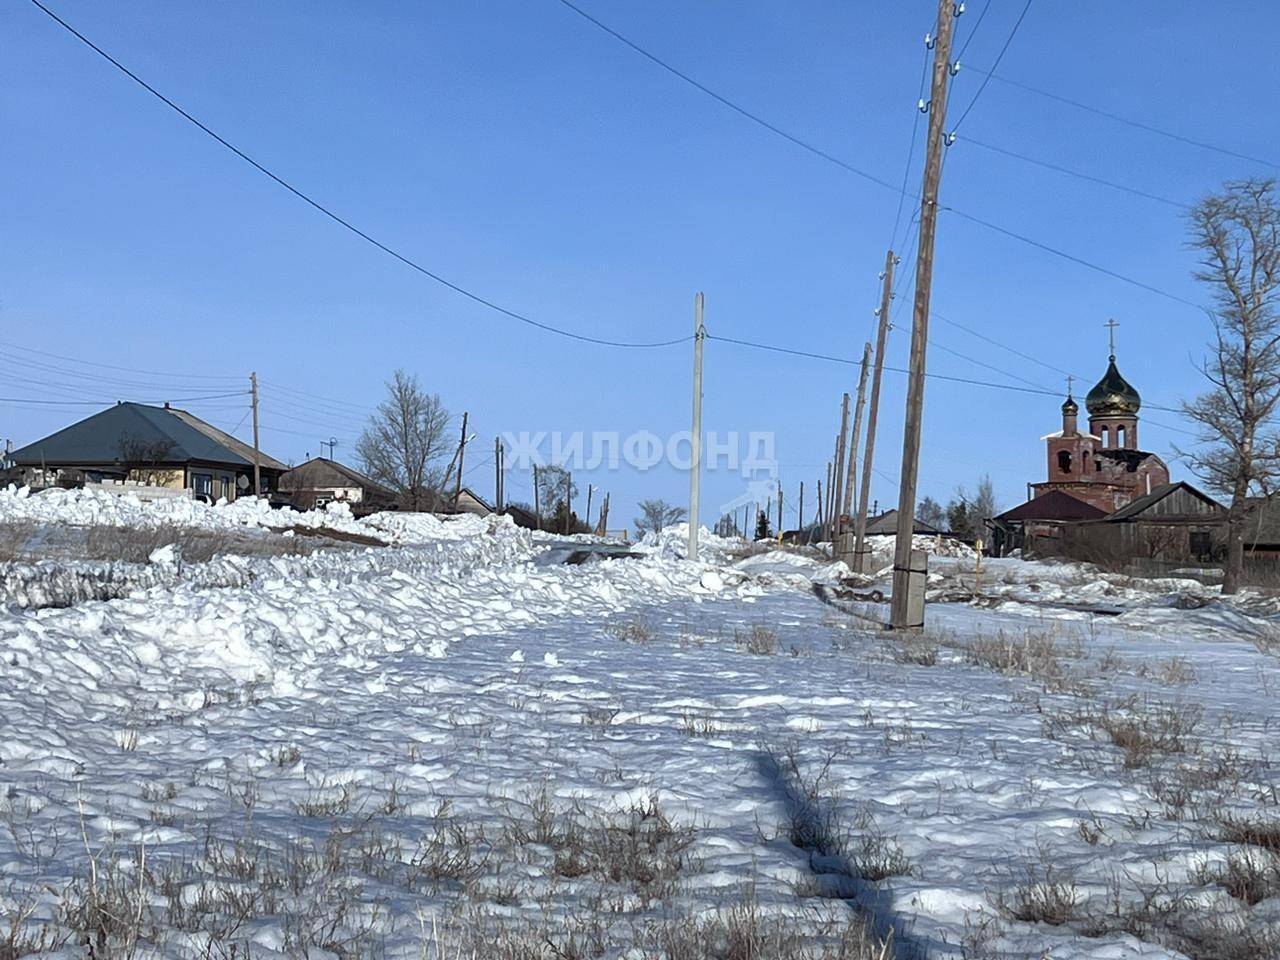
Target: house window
column 1201, row 545
column 228, row 490
column 1064, row 461
column 202, row 483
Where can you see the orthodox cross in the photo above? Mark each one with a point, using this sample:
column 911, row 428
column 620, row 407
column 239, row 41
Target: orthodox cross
column 1070, row 380
column 1111, row 331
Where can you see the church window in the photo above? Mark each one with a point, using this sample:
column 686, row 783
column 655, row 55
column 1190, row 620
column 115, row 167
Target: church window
column 1064, row 461
column 1120, row 435
column 1106, row 436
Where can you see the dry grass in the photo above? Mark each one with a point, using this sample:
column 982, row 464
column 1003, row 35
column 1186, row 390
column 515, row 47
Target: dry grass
column 757, row 639
column 918, row 649
column 1258, row 831
column 1249, row 875
column 636, row 631
column 1041, row 893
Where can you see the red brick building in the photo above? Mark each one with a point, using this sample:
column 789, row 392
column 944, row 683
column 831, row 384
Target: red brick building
column 1102, row 466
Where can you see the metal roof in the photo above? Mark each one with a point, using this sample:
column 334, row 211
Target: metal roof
column 1135, row 507
column 1054, row 505
column 101, row 439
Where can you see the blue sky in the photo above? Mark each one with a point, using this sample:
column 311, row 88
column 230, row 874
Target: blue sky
column 517, row 150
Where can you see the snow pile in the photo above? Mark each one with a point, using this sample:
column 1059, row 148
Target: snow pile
column 89, row 508
column 672, row 543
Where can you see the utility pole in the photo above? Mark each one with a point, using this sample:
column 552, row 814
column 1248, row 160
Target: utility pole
column 882, row 333
column 588, row 518
column 497, row 474
column 910, row 567
column 257, row 451
column 845, row 537
column 819, row 518
column 779, row 510
column 800, row 522
column 568, row 502
column 695, row 474
column 462, row 453
column 537, row 507
column 837, row 479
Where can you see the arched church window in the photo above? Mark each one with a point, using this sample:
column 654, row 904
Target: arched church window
column 1120, row 435
column 1064, row 461
column 1106, row 436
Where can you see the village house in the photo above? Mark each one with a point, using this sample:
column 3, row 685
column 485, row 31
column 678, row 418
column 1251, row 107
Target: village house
column 160, row 448
column 321, row 481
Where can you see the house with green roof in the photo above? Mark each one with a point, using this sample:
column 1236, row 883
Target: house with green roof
column 154, row 446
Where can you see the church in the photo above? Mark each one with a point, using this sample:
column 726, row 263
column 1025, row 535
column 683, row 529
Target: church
column 1102, row 466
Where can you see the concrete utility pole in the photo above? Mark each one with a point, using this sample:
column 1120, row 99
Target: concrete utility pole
column 779, row 509
column 882, row 333
column 497, row 474
column 462, row 454
column 568, row 502
column 845, row 536
column 257, row 451
column 695, row 469
column 537, row 506
column 909, row 566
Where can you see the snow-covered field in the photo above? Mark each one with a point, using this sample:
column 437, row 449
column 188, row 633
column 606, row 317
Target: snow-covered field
column 445, row 748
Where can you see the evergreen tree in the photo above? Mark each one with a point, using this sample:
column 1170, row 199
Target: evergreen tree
column 763, row 530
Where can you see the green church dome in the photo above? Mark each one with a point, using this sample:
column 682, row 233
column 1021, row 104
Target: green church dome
column 1113, row 396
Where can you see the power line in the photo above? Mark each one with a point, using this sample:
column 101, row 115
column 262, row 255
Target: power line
column 1003, row 346
column 725, row 101
column 107, row 366
column 1073, row 258
column 830, row 158
column 844, row 360
column 1075, row 173
column 1000, row 56
column 1128, row 121
column 346, row 224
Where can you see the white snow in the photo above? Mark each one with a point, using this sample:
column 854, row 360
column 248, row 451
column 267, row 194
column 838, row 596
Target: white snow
column 452, row 680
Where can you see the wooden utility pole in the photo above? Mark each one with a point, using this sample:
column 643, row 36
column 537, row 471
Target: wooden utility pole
column 845, row 535
column 820, row 517
column 779, row 509
column 257, row 451
column 907, row 609
column 587, row 521
column 837, row 481
column 695, row 469
column 882, row 333
column 537, row 506
column 800, row 522
column 462, row 453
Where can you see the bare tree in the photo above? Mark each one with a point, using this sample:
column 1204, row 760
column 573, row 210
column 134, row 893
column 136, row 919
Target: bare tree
column 966, row 515
column 404, row 442
column 1237, row 233
column 556, row 491
column 656, row 514
column 140, row 459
